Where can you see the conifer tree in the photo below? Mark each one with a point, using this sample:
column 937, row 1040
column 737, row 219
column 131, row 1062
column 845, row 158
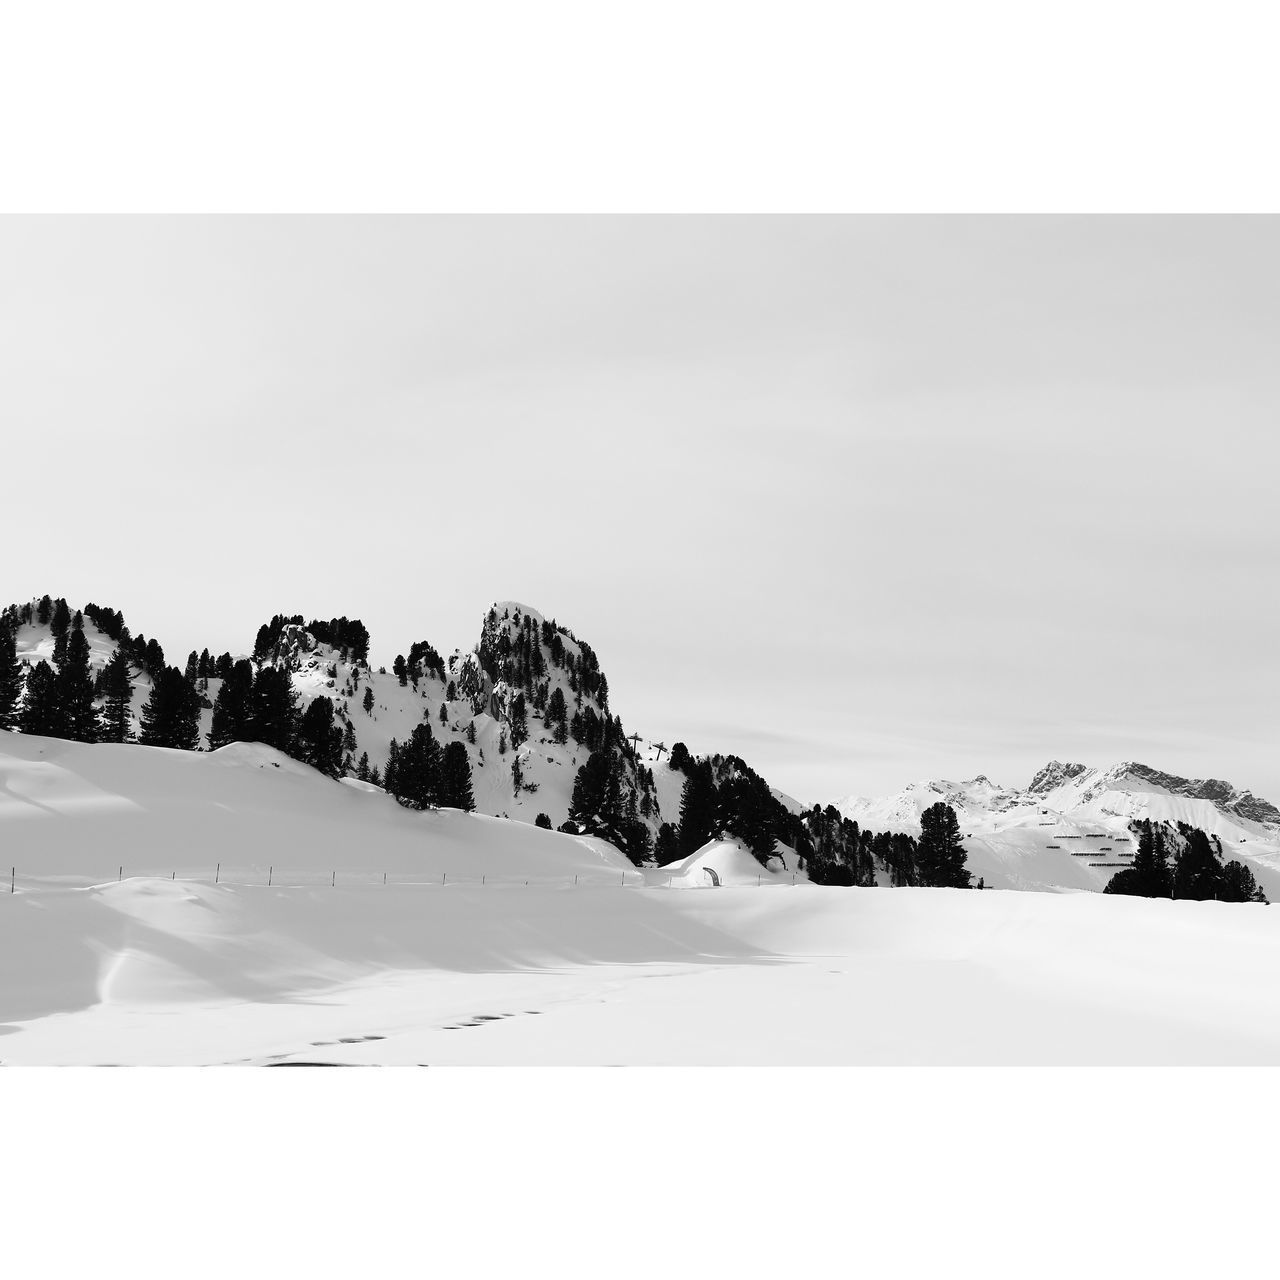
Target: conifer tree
column 60, row 624
column 40, row 712
column 940, row 853
column 368, row 700
column 413, row 772
column 117, row 692
column 75, row 687
column 262, row 643
column 455, row 771
column 318, row 741
column 1162, row 881
column 519, row 721
column 1239, row 885
column 232, row 708
column 697, row 807
column 1197, row 873
column 590, row 794
column 273, row 708
column 362, row 769
column 171, row 716
column 666, row 848
column 10, row 679
column 1149, row 875
column 543, row 821
column 556, row 711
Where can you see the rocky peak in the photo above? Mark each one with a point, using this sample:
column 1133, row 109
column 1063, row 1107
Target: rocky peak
column 1053, row 775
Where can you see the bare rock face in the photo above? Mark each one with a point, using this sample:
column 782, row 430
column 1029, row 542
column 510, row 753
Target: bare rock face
column 1054, row 774
column 1221, row 794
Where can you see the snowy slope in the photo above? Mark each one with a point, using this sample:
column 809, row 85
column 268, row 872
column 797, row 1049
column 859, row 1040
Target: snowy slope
column 1070, row 828
column 71, row 813
column 492, row 941
column 479, row 709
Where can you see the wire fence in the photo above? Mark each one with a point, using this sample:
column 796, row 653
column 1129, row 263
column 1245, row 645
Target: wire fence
column 283, row 877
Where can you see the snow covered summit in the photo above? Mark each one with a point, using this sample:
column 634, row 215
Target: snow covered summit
column 1070, row 828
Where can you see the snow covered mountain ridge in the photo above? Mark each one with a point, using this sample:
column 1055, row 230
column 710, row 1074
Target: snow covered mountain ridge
column 1071, row 827
column 1226, row 798
column 528, row 703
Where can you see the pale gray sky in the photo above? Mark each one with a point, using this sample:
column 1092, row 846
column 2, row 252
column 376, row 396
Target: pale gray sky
column 861, row 499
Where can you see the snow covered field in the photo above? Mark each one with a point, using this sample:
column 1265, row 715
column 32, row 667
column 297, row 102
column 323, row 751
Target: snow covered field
column 435, row 967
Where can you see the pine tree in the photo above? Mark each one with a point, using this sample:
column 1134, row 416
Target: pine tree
column 401, row 671
column 518, row 717
column 117, row 691
column 455, row 774
column 1149, row 876
column 1239, row 885
column 556, row 711
column 368, row 700
column 471, row 732
column 444, row 713
column 1197, row 873
column 543, row 821
column 232, row 708
column 362, row 769
column 171, row 717
column 273, row 708
column 667, row 847
column 940, row 853
column 60, row 624
column 318, row 741
column 40, row 712
column 413, row 770
column 697, row 807
column 1162, row 879
column 10, row 679
column 589, row 798
column 75, row 687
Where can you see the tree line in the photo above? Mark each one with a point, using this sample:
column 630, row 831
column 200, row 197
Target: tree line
column 1183, row 862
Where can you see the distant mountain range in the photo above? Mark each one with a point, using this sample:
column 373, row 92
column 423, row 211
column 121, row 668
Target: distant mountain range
column 1069, row 828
